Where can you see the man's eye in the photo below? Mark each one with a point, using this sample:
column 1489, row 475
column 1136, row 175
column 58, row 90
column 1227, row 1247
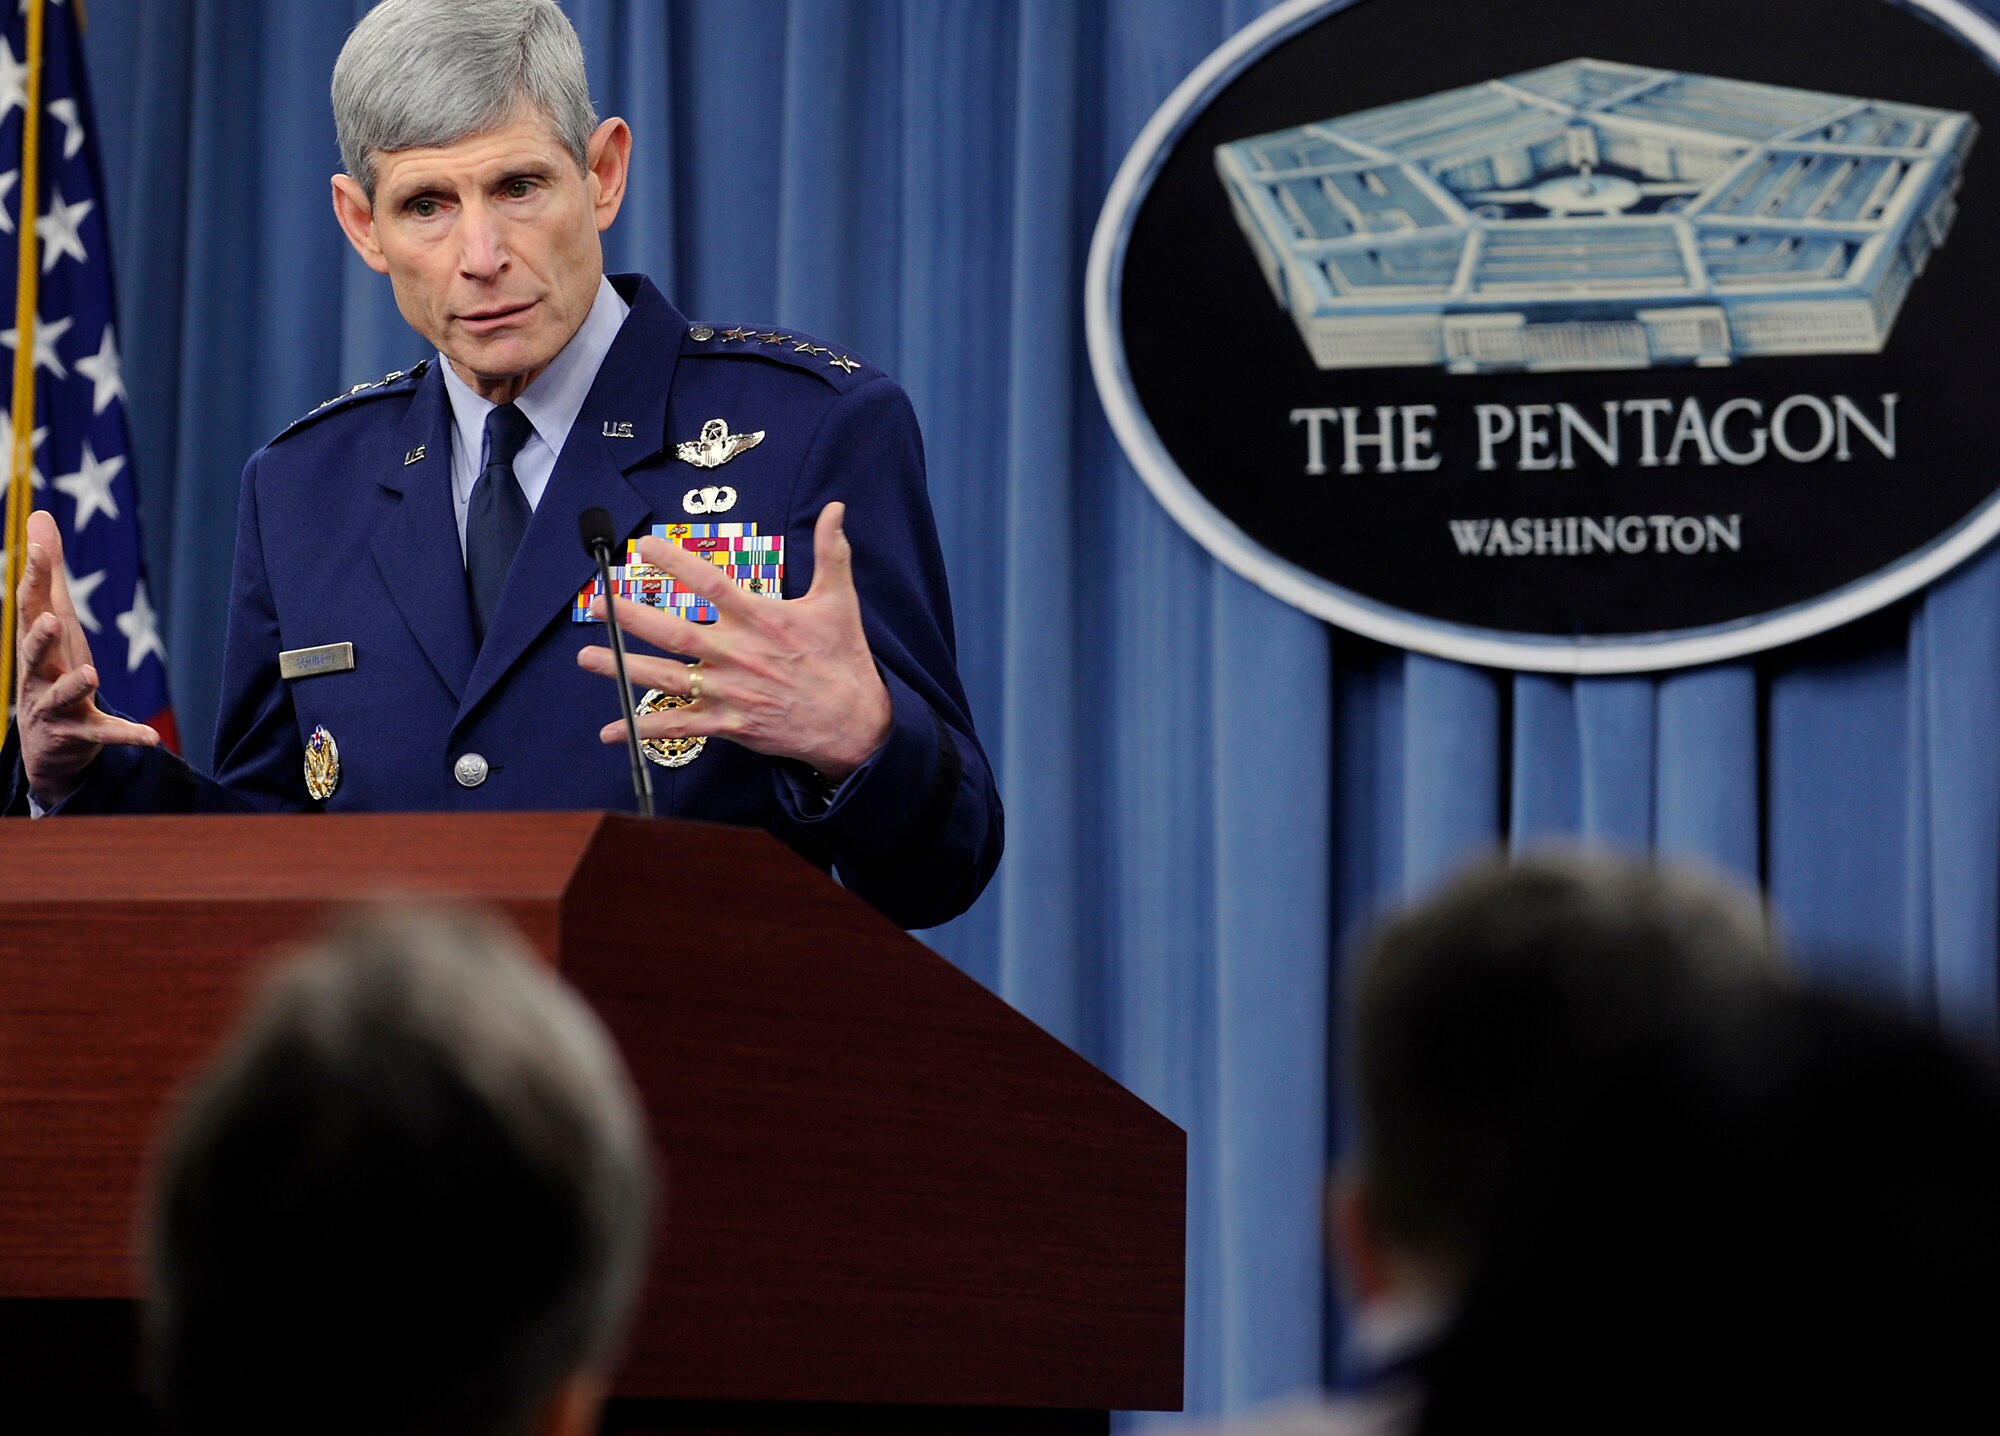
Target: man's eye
column 423, row 208
column 520, row 189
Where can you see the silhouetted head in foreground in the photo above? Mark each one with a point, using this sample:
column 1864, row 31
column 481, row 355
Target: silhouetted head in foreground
column 1780, row 1219
column 1481, row 1011
column 411, row 1194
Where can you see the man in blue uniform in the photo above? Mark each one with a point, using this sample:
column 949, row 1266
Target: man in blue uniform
column 404, row 626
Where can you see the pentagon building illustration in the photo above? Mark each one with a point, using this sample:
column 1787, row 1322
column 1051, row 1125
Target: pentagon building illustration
column 1592, row 215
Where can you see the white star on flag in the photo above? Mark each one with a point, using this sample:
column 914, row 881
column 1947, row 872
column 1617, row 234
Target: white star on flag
column 90, row 486
column 72, row 123
column 80, row 590
column 34, row 442
column 7, row 183
column 58, row 231
column 140, row 625
column 103, row 370
column 46, row 335
column 13, row 81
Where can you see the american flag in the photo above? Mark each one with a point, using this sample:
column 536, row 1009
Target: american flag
column 82, row 448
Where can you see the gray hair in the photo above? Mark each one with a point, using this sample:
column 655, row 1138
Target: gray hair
column 412, row 1194
column 420, row 73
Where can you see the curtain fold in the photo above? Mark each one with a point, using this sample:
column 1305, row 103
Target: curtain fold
column 1207, row 792
column 1960, row 635
column 1049, row 884
column 1272, row 824
column 1705, row 784
column 1453, row 762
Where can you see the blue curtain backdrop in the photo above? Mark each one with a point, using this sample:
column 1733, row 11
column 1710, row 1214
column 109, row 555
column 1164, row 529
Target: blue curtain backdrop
column 1205, row 789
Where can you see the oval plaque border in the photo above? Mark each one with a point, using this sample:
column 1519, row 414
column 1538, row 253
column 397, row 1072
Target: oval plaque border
column 1321, row 597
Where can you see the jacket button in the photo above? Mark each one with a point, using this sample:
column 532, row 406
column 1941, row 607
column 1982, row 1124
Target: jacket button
column 470, row 770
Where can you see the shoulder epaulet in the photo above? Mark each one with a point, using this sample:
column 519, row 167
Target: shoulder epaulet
column 783, row 346
column 400, row 380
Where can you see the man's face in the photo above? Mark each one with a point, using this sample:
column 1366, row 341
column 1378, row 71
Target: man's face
column 491, row 242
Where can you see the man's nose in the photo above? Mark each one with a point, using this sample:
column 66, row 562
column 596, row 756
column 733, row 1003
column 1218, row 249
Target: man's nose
column 482, row 244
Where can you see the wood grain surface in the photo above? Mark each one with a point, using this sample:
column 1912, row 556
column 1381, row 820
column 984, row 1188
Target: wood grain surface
column 884, row 1185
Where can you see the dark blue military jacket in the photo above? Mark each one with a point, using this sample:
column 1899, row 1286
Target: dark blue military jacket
column 346, row 534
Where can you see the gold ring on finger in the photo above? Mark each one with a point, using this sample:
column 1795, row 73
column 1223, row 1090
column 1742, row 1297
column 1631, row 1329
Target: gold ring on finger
column 694, row 684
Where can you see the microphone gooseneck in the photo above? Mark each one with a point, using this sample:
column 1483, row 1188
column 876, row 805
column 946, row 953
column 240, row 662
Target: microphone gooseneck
column 599, row 534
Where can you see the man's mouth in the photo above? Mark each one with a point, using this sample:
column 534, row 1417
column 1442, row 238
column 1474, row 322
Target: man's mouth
column 495, row 317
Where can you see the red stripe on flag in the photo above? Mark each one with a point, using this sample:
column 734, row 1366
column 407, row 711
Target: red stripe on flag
column 163, row 724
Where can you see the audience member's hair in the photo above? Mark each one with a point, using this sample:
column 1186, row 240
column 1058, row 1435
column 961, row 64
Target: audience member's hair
column 1483, row 1007
column 1781, row 1219
column 411, row 1195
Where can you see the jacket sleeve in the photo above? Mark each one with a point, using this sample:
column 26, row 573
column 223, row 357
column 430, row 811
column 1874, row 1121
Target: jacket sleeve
column 918, row 829
column 123, row 781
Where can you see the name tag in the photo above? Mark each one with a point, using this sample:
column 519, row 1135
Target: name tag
column 311, row 662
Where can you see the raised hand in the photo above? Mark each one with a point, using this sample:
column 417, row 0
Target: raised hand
column 790, row 679
column 55, row 697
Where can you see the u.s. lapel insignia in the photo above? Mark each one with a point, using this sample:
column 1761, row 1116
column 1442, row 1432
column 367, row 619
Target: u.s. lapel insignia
column 415, row 456
column 618, row 429
column 709, row 499
column 322, row 765
column 668, row 752
column 716, row 446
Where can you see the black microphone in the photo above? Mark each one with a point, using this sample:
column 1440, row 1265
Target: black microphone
column 598, row 537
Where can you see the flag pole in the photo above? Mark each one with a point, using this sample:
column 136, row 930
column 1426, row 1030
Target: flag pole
column 20, row 488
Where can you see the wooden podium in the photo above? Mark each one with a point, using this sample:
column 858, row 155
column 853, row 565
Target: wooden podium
column 893, row 1202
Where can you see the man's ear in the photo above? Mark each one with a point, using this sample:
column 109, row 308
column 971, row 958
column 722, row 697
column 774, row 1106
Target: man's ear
column 1354, row 1239
column 607, row 160
column 574, row 1408
column 357, row 221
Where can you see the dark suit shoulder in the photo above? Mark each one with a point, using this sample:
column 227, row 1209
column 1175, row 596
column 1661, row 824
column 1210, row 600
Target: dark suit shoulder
column 402, row 381
column 789, row 348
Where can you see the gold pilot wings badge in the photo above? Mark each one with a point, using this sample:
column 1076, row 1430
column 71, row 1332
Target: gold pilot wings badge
column 716, row 446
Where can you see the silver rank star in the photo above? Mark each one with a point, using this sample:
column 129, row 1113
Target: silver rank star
column 716, row 446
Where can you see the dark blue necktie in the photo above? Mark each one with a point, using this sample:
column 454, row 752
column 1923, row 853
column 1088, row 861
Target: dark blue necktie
column 497, row 515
